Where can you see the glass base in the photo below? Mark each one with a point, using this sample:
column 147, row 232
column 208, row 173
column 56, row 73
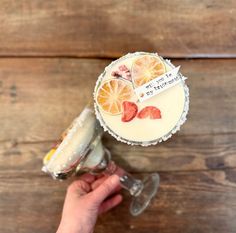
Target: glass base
column 142, row 200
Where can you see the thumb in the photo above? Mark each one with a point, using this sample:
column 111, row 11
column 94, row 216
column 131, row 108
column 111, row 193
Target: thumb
column 106, row 188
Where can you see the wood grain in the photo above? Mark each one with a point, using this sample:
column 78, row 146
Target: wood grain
column 186, row 202
column 40, row 97
column 183, row 153
column 178, row 28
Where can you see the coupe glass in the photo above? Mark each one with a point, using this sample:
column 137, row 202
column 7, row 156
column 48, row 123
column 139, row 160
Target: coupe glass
column 93, row 157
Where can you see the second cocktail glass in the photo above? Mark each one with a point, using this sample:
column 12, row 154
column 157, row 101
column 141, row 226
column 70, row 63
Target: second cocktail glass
column 92, row 156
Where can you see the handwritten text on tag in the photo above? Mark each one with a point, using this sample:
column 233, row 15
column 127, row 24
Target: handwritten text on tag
column 159, row 84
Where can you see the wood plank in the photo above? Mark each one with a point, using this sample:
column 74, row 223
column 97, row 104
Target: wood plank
column 40, row 97
column 186, row 202
column 110, row 29
column 46, row 93
column 183, row 153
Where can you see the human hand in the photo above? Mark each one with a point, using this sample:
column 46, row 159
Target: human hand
column 86, row 198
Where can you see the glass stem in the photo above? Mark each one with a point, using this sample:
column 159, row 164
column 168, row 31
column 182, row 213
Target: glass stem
column 127, row 181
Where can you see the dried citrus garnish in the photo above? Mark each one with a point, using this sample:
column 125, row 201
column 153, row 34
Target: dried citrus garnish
column 146, row 68
column 112, row 93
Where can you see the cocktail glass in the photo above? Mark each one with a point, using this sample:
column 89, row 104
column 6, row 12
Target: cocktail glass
column 91, row 156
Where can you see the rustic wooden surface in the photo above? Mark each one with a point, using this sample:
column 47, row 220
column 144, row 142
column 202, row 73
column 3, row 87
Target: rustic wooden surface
column 47, row 50
column 189, row 202
column 110, row 28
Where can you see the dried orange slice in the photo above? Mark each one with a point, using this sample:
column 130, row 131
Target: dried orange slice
column 48, row 156
column 146, row 68
column 112, row 93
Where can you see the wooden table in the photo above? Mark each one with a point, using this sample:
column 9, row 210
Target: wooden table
column 51, row 55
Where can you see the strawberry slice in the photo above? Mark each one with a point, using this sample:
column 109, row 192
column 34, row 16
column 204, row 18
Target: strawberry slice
column 130, row 110
column 149, row 111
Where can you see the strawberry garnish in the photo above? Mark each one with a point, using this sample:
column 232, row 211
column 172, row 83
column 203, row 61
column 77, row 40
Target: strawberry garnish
column 130, row 110
column 149, row 111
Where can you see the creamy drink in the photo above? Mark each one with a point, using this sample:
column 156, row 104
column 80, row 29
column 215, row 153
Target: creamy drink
column 95, row 156
column 79, row 140
column 118, row 106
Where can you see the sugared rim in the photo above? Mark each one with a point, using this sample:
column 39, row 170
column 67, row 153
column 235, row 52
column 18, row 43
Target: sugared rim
column 168, row 135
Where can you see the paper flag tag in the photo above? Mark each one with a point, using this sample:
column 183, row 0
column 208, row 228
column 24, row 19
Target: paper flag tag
column 158, row 84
